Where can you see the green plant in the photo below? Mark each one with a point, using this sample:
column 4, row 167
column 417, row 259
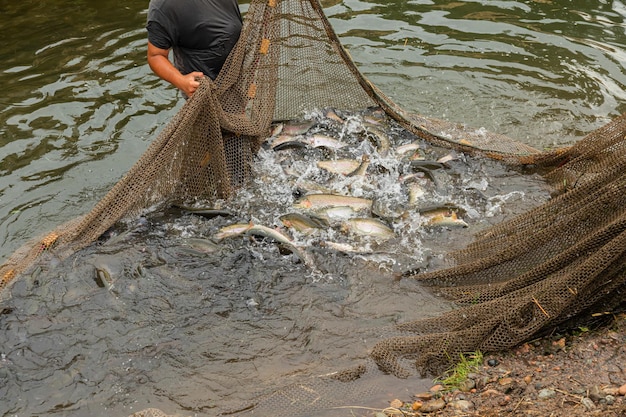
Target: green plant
column 468, row 363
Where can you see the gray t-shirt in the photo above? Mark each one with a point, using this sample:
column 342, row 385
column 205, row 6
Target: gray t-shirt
column 201, row 32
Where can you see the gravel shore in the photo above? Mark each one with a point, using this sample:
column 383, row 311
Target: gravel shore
column 579, row 373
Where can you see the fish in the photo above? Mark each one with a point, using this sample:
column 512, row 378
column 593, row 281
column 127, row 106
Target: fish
column 301, row 223
column 240, row 229
column 449, row 157
column 380, row 138
column 276, row 129
column 436, row 209
column 201, row 245
column 206, row 212
column 311, row 187
column 330, row 114
column 286, row 142
column 343, row 247
column 433, row 170
column 323, row 141
column 447, row 220
column 232, row 230
column 339, row 166
column 278, row 236
column 388, row 211
column 295, row 128
column 103, row 277
column 318, row 201
column 416, row 191
column 369, row 227
column 407, row 148
column 338, row 213
column 425, row 165
column 410, row 151
column 443, row 215
column 362, row 168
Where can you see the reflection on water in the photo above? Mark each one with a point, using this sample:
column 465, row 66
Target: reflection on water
column 183, row 330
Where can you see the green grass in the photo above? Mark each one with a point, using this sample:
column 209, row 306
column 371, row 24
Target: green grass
column 467, row 364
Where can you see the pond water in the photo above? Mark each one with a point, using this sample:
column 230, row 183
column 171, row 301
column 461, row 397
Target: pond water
column 186, row 326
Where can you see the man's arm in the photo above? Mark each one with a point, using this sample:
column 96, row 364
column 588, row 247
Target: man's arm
column 159, row 62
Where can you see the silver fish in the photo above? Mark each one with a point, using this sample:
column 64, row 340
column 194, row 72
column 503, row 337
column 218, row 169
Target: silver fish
column 295, row 128
column 323, row 141
column 381, row 139
column 362, row 168
column 369, row 227
column 201, row 245
column 344, row 247
column 301, row 223
column 318, row 201
column 280, row 237
column 445, row 215
column 339, row 166
column 286, row 141
column 232, row 230
column 447, row 220
column 338, row 213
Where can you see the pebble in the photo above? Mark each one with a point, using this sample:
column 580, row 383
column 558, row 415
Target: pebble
column 546, row 394
column 396, row 403
column 505, row 381
column 622, row 390
column 595, row 393
column 493, row 362
column 588, row 403
column 436, row 388
column 433, row 405
column 490, row 392
column 424, row 396
column 467, row 385
column 462, row 405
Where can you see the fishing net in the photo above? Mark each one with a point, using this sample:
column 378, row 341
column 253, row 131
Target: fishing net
column 518, row 279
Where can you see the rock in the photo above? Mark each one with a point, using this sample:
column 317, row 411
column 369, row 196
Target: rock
column 528, row 379
column 462, row 405
column 622, row 390
column 433, row 405
column 588, row 403
column 490, row 392
column 416, row 405
column 493, row 362
column 424, row 396
column 596, row 394
column 546, row 394
column 396, row 403
column 610, row 400
column 505, row 381
column 467, row 385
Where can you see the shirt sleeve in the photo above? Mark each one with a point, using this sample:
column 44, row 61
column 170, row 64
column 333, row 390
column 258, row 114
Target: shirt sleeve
column 158, row 36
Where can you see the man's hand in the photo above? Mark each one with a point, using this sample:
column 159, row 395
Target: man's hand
column 190, row 83
column 159, row 62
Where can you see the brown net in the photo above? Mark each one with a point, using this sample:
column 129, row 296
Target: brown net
column 560, row 260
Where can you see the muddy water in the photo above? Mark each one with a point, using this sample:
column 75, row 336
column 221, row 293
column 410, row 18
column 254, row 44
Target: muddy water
column 186, row 326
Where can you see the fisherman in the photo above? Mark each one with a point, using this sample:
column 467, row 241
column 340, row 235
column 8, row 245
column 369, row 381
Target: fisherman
column 201, row 34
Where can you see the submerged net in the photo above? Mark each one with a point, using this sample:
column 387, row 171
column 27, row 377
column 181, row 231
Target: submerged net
column 554, row 263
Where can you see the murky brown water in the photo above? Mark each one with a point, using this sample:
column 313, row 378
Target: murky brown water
column 186, row 330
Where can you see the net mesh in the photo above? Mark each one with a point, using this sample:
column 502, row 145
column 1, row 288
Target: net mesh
column 529, row 274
